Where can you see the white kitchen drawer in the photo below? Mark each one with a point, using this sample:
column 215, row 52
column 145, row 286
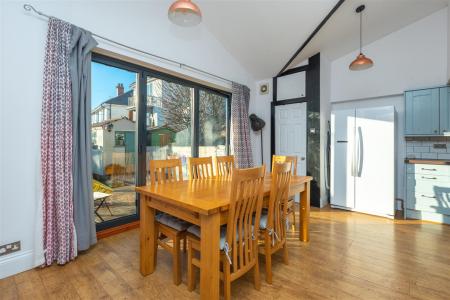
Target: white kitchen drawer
column 420, row 181
column 442, row 170
column 439, row 203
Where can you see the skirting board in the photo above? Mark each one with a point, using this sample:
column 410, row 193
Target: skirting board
column 427, row 216
column 363, row 212
column 16, row 263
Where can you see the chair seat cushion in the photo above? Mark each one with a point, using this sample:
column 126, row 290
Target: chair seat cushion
column 195, row 230
column 263, row 219
column 172, row 222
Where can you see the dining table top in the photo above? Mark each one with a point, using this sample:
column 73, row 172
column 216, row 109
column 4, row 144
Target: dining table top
column 204, row 196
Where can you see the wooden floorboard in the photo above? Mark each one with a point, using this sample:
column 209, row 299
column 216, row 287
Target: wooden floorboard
column 350, row 256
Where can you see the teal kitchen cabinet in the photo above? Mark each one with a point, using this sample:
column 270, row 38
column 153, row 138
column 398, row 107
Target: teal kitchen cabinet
column 422, row 112
column 444, row 110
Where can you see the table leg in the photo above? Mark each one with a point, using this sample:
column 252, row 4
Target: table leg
column 210, row 256
column 304, row 213
column 147, row 237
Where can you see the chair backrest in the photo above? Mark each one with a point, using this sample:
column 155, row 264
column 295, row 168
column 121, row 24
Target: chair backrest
column 282, row 159
column 246, row 199
column 224, row 165
column 165, row 170
column 200, row 167
column 279, row 194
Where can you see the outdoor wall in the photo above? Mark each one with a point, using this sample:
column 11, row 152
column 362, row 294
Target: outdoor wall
column 142, row 25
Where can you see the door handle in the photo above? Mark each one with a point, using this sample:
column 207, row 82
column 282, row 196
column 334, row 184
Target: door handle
column 423, row 177
column 360, row 152
column 302, row 158
column 425, row 169
column 431, row 197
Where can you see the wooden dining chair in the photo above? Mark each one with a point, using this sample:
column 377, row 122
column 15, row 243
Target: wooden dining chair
column 273, row 220
column 200, row 167
column 224, row 165
column 169, row 228
column 293, row 160
column 238, row 245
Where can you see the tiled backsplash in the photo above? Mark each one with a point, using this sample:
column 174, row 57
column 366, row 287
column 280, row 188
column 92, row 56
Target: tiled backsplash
column 428, row 147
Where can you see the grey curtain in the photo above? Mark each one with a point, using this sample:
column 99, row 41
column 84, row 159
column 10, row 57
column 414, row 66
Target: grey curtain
column 241, row 125
column 82, row 44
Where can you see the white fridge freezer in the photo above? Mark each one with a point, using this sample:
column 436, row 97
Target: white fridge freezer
column 363, row 160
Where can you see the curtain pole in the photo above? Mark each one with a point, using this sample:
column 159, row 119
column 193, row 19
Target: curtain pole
column 30, row 8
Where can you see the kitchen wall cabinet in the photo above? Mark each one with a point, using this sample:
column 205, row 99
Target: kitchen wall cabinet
column 444, row 110
column 422, row 112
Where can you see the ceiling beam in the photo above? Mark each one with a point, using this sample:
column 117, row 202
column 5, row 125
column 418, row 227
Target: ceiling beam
column 311, row 36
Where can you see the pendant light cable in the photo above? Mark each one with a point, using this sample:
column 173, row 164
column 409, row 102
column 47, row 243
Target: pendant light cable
column 360, row 32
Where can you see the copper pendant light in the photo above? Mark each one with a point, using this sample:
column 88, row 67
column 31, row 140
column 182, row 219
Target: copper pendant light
column 361, row 62
column 185, row 13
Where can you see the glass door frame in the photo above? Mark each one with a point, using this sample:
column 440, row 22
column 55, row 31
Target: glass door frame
column 141, row 126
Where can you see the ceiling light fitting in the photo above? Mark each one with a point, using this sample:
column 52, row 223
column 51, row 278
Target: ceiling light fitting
column 361, row 62
column 185, row 13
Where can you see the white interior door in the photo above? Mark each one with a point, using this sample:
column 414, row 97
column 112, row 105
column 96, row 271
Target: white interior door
column 342, row 185
column 290, row 133
column 375, row 160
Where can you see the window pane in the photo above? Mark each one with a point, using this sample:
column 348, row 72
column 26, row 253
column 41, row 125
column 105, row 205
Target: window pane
column 113, row 133
column 169, row 132
column 213, row 124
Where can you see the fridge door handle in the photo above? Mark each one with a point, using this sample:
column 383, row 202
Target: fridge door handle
column 360, row 152
column 353, row 163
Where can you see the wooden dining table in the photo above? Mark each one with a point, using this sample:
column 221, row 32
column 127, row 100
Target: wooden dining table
column 203, row 202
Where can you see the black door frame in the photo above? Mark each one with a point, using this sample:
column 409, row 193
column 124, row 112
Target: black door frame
column 312, row 98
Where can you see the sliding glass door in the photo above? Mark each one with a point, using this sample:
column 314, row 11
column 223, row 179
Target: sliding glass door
column 168, row 121
column 138, row 115
column 213, row 124
column 113, row 132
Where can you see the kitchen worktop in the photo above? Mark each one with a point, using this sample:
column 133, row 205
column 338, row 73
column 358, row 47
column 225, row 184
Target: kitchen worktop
column 427, row 161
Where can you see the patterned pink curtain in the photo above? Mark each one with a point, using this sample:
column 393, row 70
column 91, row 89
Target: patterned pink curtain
column 241, row 125
column 56, row 146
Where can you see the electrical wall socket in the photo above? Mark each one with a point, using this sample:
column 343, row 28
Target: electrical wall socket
column 9, row 248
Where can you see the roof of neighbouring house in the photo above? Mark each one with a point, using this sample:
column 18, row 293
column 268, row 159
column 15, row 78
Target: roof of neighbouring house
column 121, row 99
column 100, row 124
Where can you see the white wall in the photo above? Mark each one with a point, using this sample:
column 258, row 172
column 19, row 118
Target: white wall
column 139, row 24
column 413, row 57
column 260, row 105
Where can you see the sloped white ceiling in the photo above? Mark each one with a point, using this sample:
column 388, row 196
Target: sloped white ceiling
column 263, row 35
column 381, row 17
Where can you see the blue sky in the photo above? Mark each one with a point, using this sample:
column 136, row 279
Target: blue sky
column 104, row 81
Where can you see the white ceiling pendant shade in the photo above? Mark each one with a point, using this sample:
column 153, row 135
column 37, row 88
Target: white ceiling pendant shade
column 185, row 13
column 361, row 62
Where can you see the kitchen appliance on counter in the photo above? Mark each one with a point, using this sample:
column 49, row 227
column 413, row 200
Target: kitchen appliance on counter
column 363, row 160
